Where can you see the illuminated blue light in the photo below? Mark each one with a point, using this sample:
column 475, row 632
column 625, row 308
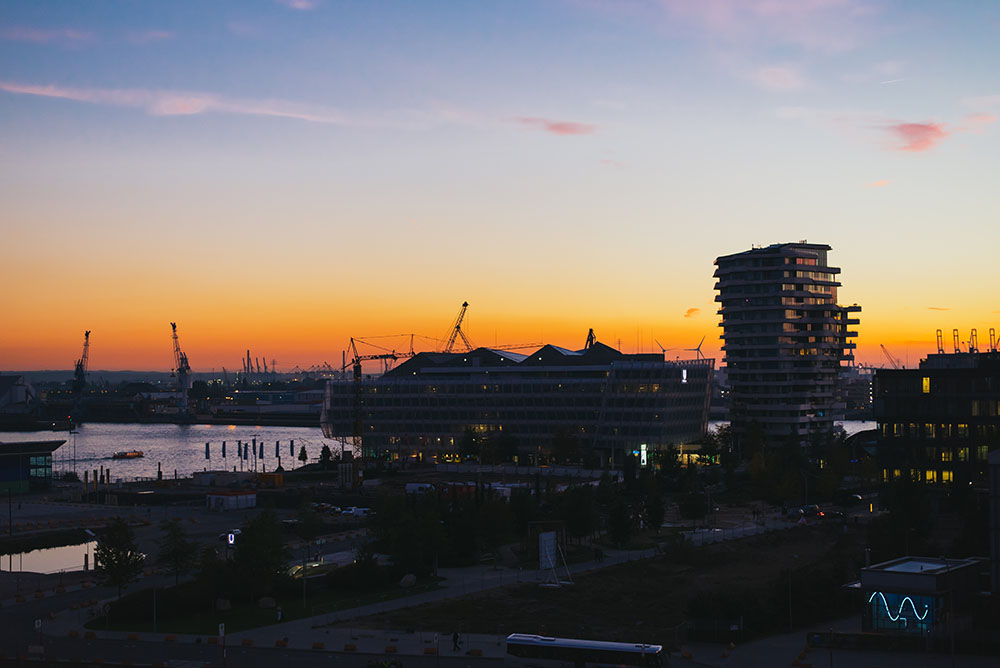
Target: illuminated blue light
column 899, row 613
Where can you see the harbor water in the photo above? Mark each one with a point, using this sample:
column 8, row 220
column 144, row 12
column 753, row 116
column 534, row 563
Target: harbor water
column 179, row 448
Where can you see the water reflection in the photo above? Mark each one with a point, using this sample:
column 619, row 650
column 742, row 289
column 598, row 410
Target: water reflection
column 50, row 560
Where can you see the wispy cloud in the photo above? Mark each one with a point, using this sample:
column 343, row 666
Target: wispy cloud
column 148, row 36
column 917, row 137
column 881, row 183
column 65, row 36
column 821, row 25
column 612, row 163
column 180, row 103
column 691, row 312
column 779, row 77
column 980, row 118
column 301, row 5
column 938, row 308
column 556, row 127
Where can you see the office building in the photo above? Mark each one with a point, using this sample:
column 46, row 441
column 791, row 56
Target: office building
column 610, row 403
column 938, row 423
column 786, row 338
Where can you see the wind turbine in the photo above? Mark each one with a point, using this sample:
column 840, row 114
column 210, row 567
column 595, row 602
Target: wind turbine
column 697, row 350
column 662, row 349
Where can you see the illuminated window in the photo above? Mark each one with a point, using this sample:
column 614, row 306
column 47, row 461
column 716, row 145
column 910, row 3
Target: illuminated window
column 929, row 430
column 963, row 454
column 926, row 385
column 963, row 430
column 946, row 455
column 885, row 475
column 982, row 452
column 930, row 475
column 915, row 475
column 947, row 476
column 896, row 474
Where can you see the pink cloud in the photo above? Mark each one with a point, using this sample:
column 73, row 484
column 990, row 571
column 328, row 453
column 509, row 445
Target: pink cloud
column 557, row 127
column 611, row 163
column 980, row 118
column 881, row 183
column 59, row 36
column 147, row 36
column 917, row 137
column 301, row 5
column 179, row 103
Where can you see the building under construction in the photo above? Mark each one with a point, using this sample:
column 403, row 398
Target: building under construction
column 610, row 403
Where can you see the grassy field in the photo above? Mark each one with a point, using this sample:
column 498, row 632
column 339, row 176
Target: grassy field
column 243, row 617
column 640, row 601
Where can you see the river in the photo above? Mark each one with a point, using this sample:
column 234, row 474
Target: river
column 172, row 446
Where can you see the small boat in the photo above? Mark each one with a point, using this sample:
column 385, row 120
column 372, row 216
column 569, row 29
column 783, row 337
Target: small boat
column 127, row 454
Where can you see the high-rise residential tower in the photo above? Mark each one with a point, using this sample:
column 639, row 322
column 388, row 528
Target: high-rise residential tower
column 785, row 338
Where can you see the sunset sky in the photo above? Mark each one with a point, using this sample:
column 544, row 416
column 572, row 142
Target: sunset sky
column 281, row 175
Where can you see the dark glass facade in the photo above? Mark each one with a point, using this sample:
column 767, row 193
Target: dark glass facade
column 611, row 402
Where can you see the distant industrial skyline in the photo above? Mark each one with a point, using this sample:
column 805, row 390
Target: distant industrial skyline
column 281, row 176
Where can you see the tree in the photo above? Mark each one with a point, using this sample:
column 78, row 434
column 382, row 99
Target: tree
column 303, row 455
column 177, row 553
column 578, row 511
column 310, row 523
column 653, row 512
column 260, row 556
column 119, row 561
column 565, row 446
column 619, row 523
column 325, row 457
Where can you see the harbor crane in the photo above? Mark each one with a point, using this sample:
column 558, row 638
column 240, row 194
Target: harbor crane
column 893, row 362
column 181, row 369
column 80, row 371
column 940, row 343
column 456, row 331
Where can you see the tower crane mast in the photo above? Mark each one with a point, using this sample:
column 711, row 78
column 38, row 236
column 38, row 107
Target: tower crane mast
column 456, row 331
column 80, row 370
column 181, row 369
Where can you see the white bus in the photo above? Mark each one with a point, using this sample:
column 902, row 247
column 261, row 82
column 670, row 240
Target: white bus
column 531, row 651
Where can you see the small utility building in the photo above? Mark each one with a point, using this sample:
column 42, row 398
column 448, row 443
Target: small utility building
column 929, row 597
column 26, row 466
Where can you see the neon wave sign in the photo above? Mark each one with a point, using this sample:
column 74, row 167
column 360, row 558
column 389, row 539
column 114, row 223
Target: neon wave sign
column 899, row 613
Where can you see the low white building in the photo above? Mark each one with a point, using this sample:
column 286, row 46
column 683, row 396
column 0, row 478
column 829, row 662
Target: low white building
column 230, row 500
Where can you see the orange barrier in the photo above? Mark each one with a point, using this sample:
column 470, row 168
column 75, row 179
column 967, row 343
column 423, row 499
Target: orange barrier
column 170, row 638
column 350, row 647
column 318, row 645
column 247, row 642
column 390, row 649
column 430, row 650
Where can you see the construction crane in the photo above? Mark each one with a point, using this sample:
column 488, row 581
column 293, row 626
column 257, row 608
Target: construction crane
column 358, row 428
column 893, row 362
column 974, row 341
column 181, row 369
column 591, row 339
column 940, row 342
column 993, row 340
column 456, row 331
column 80, row 371
column 957, row 342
